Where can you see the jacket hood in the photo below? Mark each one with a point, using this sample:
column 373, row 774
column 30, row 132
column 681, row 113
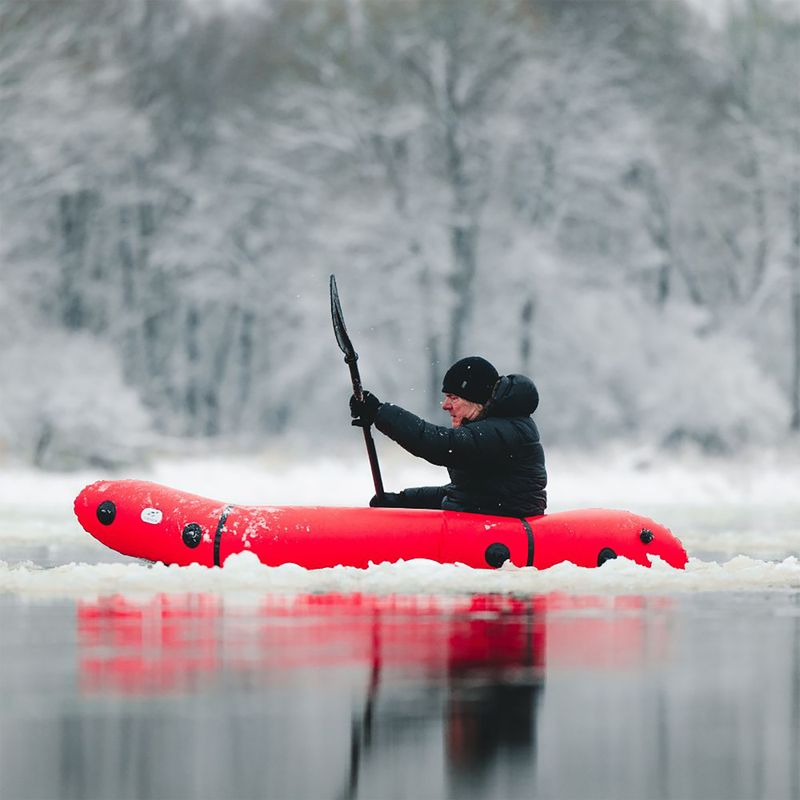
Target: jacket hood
column 513, row 396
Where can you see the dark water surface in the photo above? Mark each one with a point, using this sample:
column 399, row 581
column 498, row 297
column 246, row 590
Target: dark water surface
column 360, row 696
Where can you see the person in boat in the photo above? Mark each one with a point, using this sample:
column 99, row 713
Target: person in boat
column 492, row 449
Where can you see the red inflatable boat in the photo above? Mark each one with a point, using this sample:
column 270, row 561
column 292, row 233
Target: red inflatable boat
column 147, row 520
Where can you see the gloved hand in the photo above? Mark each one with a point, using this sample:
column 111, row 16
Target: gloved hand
column 365, row 410
column 389, row 500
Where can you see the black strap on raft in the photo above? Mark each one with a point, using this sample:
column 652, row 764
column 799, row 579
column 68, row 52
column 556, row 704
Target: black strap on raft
column 218, row 534
column 529, row 533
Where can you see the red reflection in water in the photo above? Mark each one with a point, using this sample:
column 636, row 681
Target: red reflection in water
column 176, row 643
column 485, row 656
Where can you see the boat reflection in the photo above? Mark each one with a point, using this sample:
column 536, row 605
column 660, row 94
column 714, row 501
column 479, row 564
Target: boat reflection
column 175, row 643
column 473, row 666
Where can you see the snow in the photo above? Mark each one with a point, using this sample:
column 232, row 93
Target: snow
column 244, row 575
column 746, row 512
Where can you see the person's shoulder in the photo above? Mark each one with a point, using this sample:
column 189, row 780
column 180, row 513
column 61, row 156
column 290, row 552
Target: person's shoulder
column 513, row 396
column 492, row 424
column 508, row 433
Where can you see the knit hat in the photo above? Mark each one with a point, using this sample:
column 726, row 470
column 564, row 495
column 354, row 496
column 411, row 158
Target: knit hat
column 472, row 378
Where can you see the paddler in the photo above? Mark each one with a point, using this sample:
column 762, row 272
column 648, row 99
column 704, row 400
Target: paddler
column 492, row 449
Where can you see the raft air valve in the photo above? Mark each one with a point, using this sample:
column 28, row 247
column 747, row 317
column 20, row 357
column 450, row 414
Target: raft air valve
column 497, row 554
column 606, row 554
column 106, row 512
column 646, row 536
column 192, row 535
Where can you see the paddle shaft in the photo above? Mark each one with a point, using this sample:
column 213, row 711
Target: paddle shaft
column 372, row 453
column 350, row 358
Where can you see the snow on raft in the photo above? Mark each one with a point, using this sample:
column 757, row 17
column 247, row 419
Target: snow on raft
column 151, row 521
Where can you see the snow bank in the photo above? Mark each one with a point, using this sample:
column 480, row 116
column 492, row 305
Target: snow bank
column 244, row 575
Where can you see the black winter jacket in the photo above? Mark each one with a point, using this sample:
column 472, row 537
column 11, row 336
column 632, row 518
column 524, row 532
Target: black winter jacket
column 496, row 463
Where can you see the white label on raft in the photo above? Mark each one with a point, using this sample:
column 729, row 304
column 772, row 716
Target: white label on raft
column 152, row 515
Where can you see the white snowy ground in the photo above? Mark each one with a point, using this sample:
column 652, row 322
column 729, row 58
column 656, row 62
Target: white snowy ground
column 739, row 521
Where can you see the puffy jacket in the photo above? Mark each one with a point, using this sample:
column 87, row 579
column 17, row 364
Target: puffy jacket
column 496, row 462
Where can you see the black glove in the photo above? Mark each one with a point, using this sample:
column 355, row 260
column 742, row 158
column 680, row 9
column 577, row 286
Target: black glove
column 365, row 410
column 389, row 500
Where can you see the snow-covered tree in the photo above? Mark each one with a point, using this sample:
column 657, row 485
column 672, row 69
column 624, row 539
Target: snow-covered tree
column 606, row 195
column 65, row 404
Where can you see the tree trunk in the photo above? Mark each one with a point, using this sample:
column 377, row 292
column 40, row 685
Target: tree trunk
column 526, row 339
column 795, row 420
column 245, row 367
column 462, row 244
column 761, row 248
column 130, row 336
column 74, row 210
column 435, row 371
column 219, row 366
column 463, row 225
column 191, row 407
column 794, row 267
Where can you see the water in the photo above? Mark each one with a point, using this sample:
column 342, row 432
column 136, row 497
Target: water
column 417, row 680
column 338, row 696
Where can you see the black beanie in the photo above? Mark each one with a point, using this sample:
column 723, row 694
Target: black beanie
column 472, row 378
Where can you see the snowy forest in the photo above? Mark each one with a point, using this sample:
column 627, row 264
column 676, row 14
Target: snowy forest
column 602, row 195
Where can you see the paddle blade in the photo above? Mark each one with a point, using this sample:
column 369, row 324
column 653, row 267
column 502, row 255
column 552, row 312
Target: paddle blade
column 350, row 357
column 339, row 329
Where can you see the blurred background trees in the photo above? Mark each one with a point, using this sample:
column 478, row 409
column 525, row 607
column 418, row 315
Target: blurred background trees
column 603, row 195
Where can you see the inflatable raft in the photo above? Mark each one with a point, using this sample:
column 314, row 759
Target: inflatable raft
column 147, row 520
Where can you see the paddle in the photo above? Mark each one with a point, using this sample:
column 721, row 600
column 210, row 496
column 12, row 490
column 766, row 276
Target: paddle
column 350, row 358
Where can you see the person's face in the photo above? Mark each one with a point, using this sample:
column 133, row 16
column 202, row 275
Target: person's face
column 460, row 409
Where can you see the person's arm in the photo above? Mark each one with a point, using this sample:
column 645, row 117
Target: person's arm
column 446, row 447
